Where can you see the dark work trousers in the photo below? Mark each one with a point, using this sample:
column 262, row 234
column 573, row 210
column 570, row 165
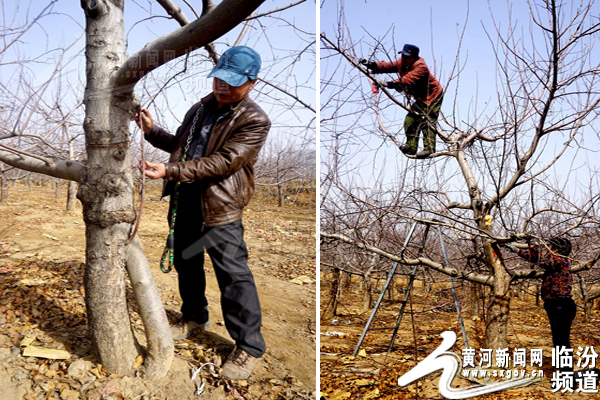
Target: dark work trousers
column 227, row 250
column 561, row 313
column 422, row 118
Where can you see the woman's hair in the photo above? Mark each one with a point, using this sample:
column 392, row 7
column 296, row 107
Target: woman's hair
column 561, row 245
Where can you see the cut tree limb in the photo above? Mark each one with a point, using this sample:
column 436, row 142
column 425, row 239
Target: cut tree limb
column 58, row 168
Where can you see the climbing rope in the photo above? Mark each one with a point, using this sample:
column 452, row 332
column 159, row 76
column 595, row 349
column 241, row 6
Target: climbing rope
column 143, row 188
column 200, row 387
column 167, row 256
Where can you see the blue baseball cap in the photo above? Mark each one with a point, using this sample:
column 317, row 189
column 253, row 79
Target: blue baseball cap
column 237, row 65
column 410, row 50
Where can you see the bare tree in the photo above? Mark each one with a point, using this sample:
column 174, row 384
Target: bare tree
column 105, row 176
column 500, row 176
column 283, row 163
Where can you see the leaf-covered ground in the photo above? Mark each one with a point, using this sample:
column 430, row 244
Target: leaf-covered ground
column 42, row 309
column 373, row 373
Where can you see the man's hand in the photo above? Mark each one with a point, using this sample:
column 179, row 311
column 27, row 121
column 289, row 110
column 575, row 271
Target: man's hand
column 144, row 120
column 397, row 85
column 510, row 247
column 153, row 170
column 368, row 64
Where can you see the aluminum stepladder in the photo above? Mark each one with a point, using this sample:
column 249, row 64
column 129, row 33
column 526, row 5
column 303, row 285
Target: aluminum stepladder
column 409, row 288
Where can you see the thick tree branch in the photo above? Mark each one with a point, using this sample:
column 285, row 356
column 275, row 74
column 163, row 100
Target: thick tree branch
column 160, row 341
column 183, row 20
column 593, row 292
column 469, row 276
column 57, row 168
column 207, row 28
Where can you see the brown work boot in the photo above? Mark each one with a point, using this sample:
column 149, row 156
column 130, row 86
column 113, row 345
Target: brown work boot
column 239, row 365
column 408, row 150
column 184, row 328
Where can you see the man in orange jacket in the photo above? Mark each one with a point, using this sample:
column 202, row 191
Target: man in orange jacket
column 417, row 82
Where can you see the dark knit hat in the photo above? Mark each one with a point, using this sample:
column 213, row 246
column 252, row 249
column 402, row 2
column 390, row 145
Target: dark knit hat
column 561, row 245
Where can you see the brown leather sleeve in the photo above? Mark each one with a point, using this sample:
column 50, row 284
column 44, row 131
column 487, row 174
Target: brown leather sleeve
column 163, row 140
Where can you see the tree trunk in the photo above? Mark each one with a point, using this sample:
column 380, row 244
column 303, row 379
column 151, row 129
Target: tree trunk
column 587, row 309
column 310, row 197
column 279, row 195
column 107, row 193
column 71, row 195
column 346, row 281
column 367, row 292
column 336, row 286
column 4, row 189
column 498, row 310
column 475, row 303
column 104, row 279
column 57, row 193
column 497, row 322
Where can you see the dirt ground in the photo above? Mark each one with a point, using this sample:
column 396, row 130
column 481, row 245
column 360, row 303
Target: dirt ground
column 373, row 373
column 41, row 280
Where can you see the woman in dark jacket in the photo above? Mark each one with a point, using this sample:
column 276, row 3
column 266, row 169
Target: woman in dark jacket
column 556, row 286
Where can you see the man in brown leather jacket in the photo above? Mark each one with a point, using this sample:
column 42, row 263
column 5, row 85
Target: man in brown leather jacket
column 212, row 157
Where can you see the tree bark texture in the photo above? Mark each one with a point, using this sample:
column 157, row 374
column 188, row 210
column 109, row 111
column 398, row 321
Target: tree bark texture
column 160, row 342
column 3, row 189
column 588, row 305
column 475, row 303
column 57, row 188
column 336, row 287
column 496, row 324
column 367, row 292
column 63, row 169
column 106, row 194
column 71, row 196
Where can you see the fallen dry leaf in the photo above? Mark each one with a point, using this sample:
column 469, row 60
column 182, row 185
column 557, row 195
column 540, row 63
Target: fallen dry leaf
column 138, row 362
